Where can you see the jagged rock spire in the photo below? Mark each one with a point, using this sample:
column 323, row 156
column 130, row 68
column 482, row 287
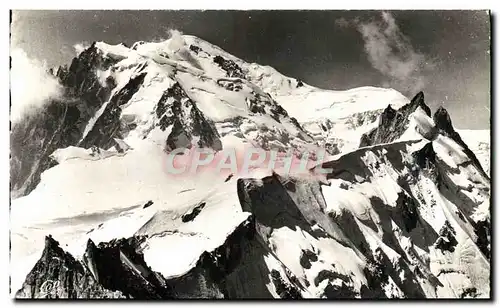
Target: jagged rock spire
column 418, row 101
column 442, row 120
column 393, row 123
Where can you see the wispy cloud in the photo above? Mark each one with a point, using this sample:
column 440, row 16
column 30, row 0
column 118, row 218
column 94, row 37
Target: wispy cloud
column 391, row 52
column 176, row 39
column 79, row 47
column 31, row 85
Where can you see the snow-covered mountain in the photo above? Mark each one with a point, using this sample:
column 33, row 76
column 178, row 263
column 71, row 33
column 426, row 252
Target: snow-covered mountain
column 403, row 213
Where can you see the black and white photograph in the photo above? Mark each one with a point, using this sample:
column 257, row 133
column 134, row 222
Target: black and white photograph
column 250, row 154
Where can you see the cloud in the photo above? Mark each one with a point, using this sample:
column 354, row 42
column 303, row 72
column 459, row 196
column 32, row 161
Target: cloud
column 79, row 47
column 176, row 40
column 391, row 53
column 343, row 22
column 31, row 85
column 164, row 34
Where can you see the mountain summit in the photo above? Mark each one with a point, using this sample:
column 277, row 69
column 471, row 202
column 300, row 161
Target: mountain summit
column 402, row 213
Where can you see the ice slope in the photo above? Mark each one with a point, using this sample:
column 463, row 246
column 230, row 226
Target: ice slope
column 407, row 215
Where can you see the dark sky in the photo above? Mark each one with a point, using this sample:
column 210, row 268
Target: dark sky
column 443, row 53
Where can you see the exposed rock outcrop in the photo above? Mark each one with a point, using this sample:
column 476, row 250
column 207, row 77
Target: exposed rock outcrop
column 108, row 126
column 232, row 69
column 177, row 109
column 58, row 275
column 393, row 123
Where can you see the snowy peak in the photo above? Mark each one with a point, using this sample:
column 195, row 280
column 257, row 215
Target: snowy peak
column 115, row 94
column 213, row 86
column 418, row 101
column 410, row 121
column 445, row 127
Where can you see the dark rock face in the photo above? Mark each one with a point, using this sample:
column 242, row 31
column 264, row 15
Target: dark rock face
column 393, row 123
column 443, row 121
column 259, row 103
column 177, row 109
column 110, row 270
column 195, row 49
column 232, row 69
column 61, row 122
column 193, row 213
column 148, row 204
column 307, row 257
column 81, row 80
column 108, row 125
column 58, row 275
column 425, row 156
column 425, row 160
column 118, row 266
column 233, row 85
column 446, row 240
column 376, row 277
column 408, row 210
column 483, row 232
column 35, row 138
column 284, row 290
